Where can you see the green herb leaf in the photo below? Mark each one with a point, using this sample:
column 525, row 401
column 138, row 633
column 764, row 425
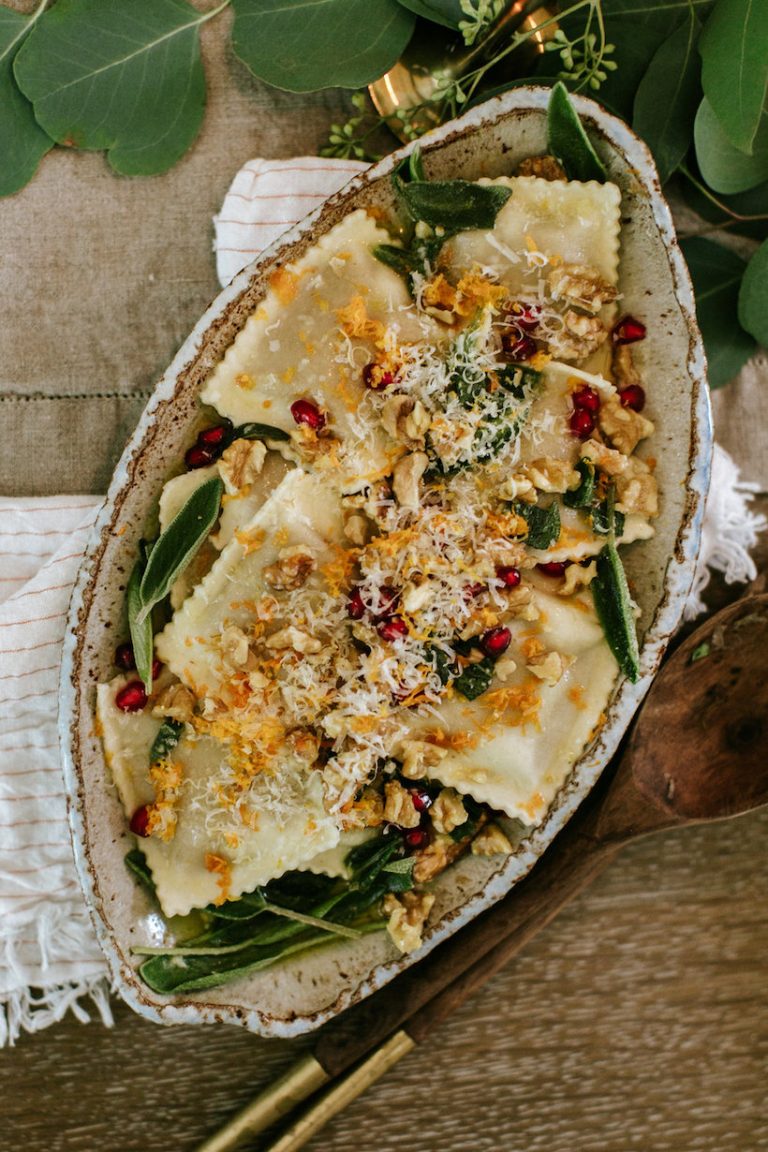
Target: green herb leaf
column 324, row 44
column 543, row 523
column 700, row 652
column 475, row 679
column 613, row 603
column 136, row 863
column 24, row 141
column 399, row 874
column 668, row 96
column 125, row 77
column 567, row 140
column 582, row 496
column 519, row 379
column 140, row 626
column 716, row 273
column 446, row 12
column 454, row 205
column 178, row 544
column 753, row 296
column 167, row 738
column 734, row 54
column 440, row 661
column 404, row 261
column 723, row 166
column 313, row 921
column 254, row 431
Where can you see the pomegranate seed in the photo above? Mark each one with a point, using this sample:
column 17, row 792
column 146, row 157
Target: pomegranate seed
column 628, row 331
column 526, row 316
column 471, row 591
column 509, row 576
column 157, row 667
column 377, row 378
column 215, row 436
column 554, row 568
column 633, row 396
column 416, row 838
column 393, row 628
column 200, row 456
column 581, row 423
column 307, row 412
column 517, row 345
column 139, row 824
column 496, row 641
column 421, row 799
column 386, row 602
column 355, row 606
column 124, row 657
column 132, row 697
column 586, row 399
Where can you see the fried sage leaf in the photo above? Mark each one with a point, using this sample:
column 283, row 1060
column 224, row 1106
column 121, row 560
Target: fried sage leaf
column 453, row 205
column 255, row 431
column 567, row 140
column 543, row 523
column 167, row 738
column 140, row 626
column 178, row 544
column 614, row 604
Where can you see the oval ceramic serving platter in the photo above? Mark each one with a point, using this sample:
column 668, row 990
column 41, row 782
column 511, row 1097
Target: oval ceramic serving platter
column 300, row 994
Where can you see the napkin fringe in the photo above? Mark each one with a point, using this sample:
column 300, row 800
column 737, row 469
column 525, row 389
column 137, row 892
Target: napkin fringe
column 32, row 1009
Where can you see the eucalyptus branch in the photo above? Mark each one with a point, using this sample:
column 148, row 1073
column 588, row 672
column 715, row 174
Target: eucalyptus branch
column 736, row 217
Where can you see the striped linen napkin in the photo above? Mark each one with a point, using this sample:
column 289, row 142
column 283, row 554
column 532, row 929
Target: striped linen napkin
column 49, row 958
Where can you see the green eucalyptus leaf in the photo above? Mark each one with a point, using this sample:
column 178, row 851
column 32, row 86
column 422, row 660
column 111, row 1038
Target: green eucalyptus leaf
column 140, row 626
column 124, row 77
column 178, row 544
column 454, row 205
column 722, row 165
column 753, row 296
column 446, row 12
column 717, row 273
column 734, row 55
column 320, row 43
column 567, row 140
column 24, row 141
column 667, row 98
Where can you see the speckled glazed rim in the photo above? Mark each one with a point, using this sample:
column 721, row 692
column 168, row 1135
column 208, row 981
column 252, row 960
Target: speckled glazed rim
column 75, row 707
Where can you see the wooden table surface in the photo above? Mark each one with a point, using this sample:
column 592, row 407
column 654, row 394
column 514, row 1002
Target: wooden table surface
column 638, row 1020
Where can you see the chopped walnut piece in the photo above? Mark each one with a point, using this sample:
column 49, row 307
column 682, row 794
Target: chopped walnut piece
column 545, row 167
column 576, row 577
column 450, row 439
column 175, row 702
column 291, row 637
column 366, row 812
column 234, row 646
column 406, row 477
column 623, row 367
column 419, row 755
column 406, row 420
column 491, row 841
column 435, row 858
column 241, row 463
column 580, row 336
column 304, row 744
column 518, row 487
column 357, row 528
column 439, row 299
column 623, row 427
column 637, row 490
column 407, row 916
column 448, row 811
column 607, row 459
column 582, row 285
column 521, row 603
column 293, row 568
column 549, row 666
column 552, row 475
column 399, row 807
column 504, row 668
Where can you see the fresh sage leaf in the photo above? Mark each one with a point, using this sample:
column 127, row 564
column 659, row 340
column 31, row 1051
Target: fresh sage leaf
column 454, row 205
column 167, row 738
column 724, row 167
column 668, row 96
column 127, row 78
column 140, row 626
column 24, row 141
column 178, row 544
column 255, row 431
column 567, row 140
column 734, row 55
column 717, row 273
column 613, row 603
column 753, row 296
column 449, row 13
column 404, row 261
column 475, row 679
column 601, row 522
column 313, row 921
column 323, row 44
column 583, row 496
column 543, row 523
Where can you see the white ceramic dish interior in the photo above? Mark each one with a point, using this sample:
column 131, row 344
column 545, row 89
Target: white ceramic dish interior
column 301, row 994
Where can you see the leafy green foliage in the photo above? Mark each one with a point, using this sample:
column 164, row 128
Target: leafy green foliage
column 716, row 273
column 745, row 212
column 446, row 12
column 325, row 44
column 85, row 67
column 753, row 296
column 24, row 141
column 613, row 603
column 475, row 679
column 582, row 496
column 668, row 96
column 167, row 738
column 724, row 167
column 543, row 523
column 256, row 431
column 139, row 625
column 453, row 205
column 734, row 54
column 567, row 140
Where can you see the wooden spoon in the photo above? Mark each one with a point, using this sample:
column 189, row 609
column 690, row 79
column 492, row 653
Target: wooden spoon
column 697, row 753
